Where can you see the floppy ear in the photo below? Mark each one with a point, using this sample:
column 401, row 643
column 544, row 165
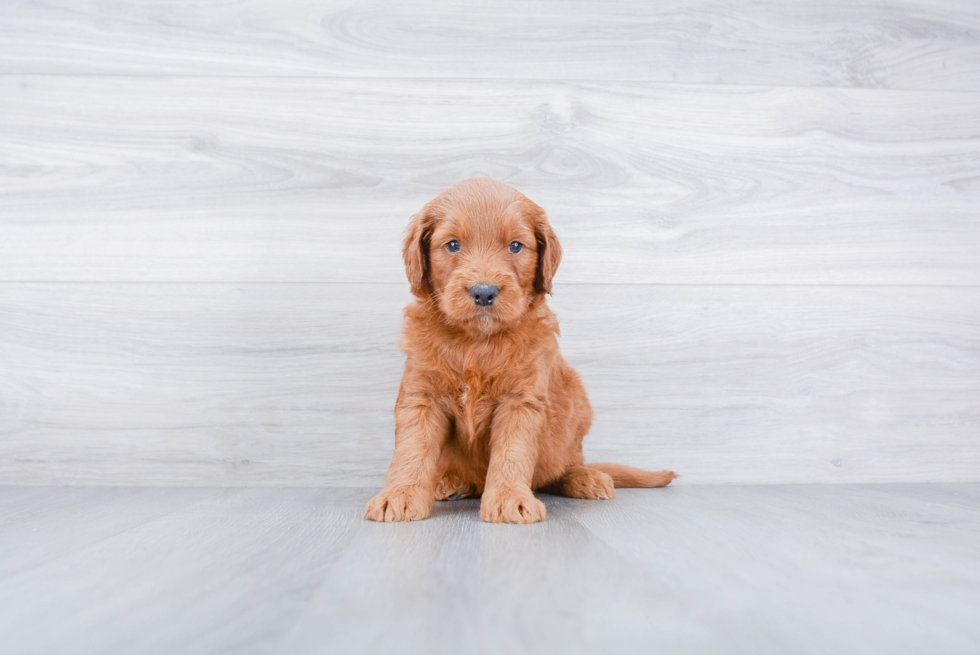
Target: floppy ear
column 415, row 252
column 549, row 250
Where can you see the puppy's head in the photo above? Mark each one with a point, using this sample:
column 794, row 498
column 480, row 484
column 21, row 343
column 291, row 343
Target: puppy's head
column 483, row 252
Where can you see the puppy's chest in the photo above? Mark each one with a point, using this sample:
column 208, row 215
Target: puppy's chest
column 474, row 399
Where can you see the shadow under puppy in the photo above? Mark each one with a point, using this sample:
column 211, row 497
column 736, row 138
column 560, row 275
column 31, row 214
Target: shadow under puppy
column 487, row 405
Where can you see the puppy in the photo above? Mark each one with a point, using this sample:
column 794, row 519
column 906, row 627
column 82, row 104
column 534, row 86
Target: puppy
column 487, row 405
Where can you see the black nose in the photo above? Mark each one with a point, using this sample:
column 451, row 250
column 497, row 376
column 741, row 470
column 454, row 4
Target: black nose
column 483, row 294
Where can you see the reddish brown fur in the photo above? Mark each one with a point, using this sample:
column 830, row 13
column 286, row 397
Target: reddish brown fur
column 487, row 404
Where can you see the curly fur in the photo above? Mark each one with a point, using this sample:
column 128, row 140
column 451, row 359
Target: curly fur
column 487, row 405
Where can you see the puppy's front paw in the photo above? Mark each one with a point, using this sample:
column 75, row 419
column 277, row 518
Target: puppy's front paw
column 399, row 504
column 511, row 507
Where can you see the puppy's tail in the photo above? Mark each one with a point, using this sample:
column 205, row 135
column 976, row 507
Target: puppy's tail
column 627, row 476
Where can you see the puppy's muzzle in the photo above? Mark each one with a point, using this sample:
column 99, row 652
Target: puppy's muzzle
column 484, row 294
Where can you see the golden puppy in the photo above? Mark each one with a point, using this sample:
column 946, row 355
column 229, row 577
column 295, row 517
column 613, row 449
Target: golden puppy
column 487, row 404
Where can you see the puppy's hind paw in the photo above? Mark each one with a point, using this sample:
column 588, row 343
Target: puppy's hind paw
column 452, row 488
column 584, row 482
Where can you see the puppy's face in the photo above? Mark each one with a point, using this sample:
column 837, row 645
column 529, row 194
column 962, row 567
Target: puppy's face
column 482, row 251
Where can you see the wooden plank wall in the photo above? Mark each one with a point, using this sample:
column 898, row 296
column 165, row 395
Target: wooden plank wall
column 770, row 215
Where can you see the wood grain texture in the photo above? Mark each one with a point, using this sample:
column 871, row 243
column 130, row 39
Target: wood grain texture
column 818, row 569
column 214, row 384
column 920, row 44
column 89, row 515
column 767, row 569
column 229, row 573
column 236, row 178
column 128, row 179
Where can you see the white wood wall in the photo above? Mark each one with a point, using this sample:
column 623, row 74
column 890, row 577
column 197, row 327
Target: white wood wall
column 770, row 213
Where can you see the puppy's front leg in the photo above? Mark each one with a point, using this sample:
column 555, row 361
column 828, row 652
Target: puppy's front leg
column 421, row 427
column 514, row 432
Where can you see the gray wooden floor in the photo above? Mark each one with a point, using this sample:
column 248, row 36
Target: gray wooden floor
column 698, row 569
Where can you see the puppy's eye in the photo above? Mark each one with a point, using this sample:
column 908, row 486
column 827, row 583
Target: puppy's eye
column 515, row 247
column 453, row 246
